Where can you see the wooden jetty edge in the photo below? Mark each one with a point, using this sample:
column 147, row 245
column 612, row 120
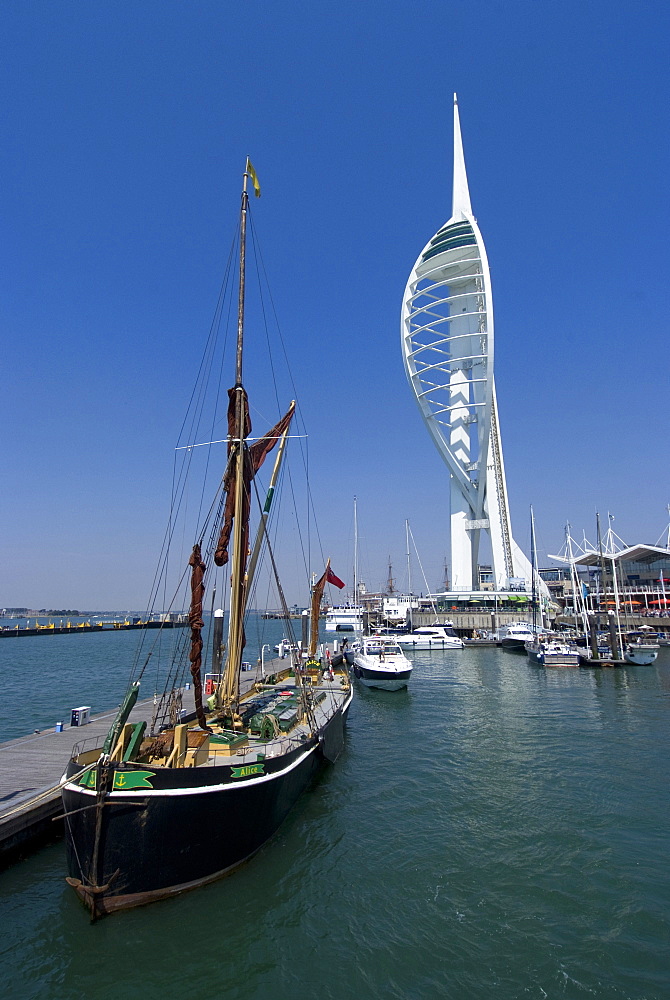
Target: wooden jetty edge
column 31, row 768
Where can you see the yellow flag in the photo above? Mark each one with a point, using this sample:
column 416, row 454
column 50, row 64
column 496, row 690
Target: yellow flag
column 254, row 179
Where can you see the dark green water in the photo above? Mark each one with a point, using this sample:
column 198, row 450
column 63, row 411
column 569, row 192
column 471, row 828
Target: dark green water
column 497, row 831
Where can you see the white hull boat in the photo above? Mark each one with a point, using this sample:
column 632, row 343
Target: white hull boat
column 640, row 652
column 430, row 637
column 516, row 635
column 380, row 663
column 553, row 653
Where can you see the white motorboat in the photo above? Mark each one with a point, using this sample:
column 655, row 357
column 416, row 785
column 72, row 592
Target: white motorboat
column 380, row 663
column 551, row 652
column 286, row 647
column 430, row 637
column 515, row 635
column 640, row 647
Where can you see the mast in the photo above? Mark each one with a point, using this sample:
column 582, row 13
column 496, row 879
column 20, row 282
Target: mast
column 578, row 601
column 230, row 685
column 355, row 555
column 390, row 586
column 446, row 575
column 317, row 596
column 409, row 564
column 409, row 577
column 243, row 464
column 612, row 617
column 533, row 561
column 265, row 514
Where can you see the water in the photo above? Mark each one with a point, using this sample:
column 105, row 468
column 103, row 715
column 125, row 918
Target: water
column 497, row 830
column 44, row 677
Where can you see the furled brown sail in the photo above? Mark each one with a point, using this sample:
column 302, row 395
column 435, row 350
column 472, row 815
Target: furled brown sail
column 195, row 621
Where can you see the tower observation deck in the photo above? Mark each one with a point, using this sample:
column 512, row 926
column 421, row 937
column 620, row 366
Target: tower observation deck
column 447, row 344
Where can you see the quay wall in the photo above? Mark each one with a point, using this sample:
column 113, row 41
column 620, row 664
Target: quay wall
column 466, row 622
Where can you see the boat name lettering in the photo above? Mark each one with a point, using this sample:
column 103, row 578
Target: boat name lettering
column 248, row 771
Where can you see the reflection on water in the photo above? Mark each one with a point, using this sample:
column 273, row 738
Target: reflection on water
column 495, row 830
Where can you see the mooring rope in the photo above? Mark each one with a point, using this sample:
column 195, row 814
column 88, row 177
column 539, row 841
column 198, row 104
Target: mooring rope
column 49, row 791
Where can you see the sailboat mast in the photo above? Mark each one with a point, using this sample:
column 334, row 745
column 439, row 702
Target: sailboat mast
column 409, row 563
column 355, row 555
column 533, row 570
column 240, row 297
column 231, row 679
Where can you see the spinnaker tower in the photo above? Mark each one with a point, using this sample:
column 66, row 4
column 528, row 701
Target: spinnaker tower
column 448, row 350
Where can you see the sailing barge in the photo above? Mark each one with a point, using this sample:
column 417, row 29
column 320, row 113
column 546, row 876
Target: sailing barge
column 151, row 814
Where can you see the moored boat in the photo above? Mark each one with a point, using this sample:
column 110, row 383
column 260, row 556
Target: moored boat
column 640, row 647
column 552, row 652
column 430, row 637
column 515, row 636
column 379, row 662
column 154, row 811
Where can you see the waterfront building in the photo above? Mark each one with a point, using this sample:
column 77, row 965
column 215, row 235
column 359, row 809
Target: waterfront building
column 397, row 609
column 637, row 575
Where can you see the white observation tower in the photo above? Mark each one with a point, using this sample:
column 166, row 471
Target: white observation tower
column 447, row 344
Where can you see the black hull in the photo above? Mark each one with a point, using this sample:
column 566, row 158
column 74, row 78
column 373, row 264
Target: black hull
column 365, row 673
column 384, row 680
column 514, row 645
column 194, row 826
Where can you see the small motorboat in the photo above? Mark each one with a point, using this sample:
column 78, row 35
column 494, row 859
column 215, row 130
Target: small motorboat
column 379, row 662
column 553, row 652
column 285, row 648
column 431, row 637
column 515, row 636
column 641, row 647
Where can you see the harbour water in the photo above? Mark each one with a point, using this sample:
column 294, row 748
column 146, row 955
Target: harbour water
column 497, row 830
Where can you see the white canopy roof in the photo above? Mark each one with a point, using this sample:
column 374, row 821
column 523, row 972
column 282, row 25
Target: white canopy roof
column 634, row 553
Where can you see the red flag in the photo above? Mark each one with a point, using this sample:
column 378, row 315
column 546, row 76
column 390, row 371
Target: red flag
column 335, row 580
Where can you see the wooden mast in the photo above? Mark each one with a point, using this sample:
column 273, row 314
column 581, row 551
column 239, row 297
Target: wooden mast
column 230, row 684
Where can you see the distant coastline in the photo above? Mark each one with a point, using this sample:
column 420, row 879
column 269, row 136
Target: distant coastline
column 72, row 612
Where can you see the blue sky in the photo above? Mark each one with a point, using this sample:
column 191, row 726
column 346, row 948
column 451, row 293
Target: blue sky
column 125, row 130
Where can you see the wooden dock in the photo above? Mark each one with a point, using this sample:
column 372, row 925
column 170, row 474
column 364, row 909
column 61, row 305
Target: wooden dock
column 31, row 768
column 602, row 661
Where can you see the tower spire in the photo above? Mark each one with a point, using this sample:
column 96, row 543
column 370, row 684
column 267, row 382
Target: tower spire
column 461, row 198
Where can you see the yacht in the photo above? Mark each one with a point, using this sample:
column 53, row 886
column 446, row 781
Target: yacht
column 431, row 637
column 641, row 647
column 552, row 652
column 515, row 635
column 379, row 662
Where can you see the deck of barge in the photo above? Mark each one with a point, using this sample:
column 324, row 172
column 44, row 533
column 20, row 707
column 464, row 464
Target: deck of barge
column 31, row 768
